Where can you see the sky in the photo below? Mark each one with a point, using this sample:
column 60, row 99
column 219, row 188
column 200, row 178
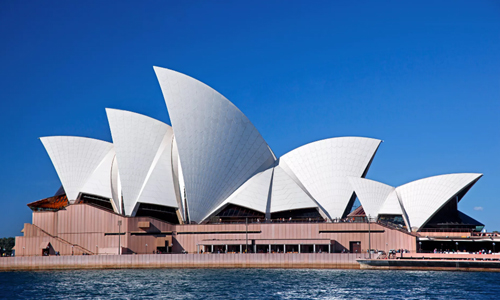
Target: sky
column 424, row 77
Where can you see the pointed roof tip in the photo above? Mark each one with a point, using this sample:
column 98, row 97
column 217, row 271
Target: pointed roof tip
column 110, row 110
column 162, row 69
column 117, row 110
column 353, row 179
column 71, row 136
column 477, row 176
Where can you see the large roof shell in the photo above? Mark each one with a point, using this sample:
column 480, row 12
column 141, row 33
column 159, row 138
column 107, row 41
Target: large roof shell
column 287, row 195
column 392, row 205
column 423, row 198
column 143, row 152
column 219, row 148
column 99, row 183
column 371, row 194
column 253, row 194
column 116, row 187
column 324, row 166
column 75, row 160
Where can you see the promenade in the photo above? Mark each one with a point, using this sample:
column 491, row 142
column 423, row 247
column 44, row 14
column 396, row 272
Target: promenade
column 230, row 260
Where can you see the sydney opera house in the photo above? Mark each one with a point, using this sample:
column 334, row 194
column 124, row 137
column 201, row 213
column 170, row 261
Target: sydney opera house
column 210, row 182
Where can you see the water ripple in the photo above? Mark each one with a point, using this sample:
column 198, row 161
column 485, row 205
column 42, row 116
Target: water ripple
column 248, row 284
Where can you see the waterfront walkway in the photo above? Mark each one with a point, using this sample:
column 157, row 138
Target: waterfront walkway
column 249, row 260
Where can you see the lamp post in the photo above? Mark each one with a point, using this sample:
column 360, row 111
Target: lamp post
column 23, row 250
column 96, row 249
column 420, row 246
column 493, row 247
column 246, row 246
column 456, row 243
column 119, row 235
column 146, row 248
column 369, row 240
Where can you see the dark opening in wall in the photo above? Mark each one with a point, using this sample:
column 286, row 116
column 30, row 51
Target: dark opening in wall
column 164, row 213
column 299, row 215
column 96, row 200
column 237, row 214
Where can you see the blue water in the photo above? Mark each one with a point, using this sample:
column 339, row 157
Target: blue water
column 248, row 284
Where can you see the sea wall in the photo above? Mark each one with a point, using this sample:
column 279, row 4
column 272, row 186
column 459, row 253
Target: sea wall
column 430, row 265
column 250, row 260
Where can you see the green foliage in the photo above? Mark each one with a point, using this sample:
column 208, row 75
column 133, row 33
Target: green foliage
column 7, row 244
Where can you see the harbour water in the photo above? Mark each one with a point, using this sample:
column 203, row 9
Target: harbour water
column 248, row 284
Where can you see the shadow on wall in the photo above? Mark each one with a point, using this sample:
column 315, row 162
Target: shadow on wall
column 338, row 247
column 176, row 246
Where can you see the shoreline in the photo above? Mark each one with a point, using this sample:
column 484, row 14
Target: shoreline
column 429, row 264
column 154, row 261
column 239, row 261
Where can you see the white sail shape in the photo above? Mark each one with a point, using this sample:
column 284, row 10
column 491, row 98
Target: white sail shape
column 140, row 143
column 116, row 187
column 423, row 198
column 99, row 183
column 159, row 188
column 392, row 205
column 75, row 160
column 324, row 166
column 253, row 194
column 219, row 148
column 371, row 194
column 287, row 195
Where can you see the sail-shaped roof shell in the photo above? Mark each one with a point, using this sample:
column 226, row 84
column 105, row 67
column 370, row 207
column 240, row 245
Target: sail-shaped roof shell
column 143, row 147
column 75, row 160
column 371, row 194
column 324, row 166
column 423, row 198
column 219, row 148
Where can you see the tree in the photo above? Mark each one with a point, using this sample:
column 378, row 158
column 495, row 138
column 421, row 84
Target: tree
column 7, row 244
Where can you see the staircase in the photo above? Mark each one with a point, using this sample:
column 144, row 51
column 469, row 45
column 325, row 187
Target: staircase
column 65, row 241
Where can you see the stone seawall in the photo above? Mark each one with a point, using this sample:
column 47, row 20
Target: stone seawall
column 275, row 260
column 430, row 265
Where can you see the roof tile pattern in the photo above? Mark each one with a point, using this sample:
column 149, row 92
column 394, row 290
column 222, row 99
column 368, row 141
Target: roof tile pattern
column 371, row 194
column 159, row 188
column 218, row 146
column 75, row 160
column 99, row 183
column 323, row 167
column 254, row 193
column 423, row 198
column 139, row 142
column 287, row 195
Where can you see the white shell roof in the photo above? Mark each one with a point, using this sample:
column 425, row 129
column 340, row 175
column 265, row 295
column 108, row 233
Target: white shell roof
column 159, row 187
column 392, row 205
column 143, row 147
column 116, row 186
column 99, row 183
column 371, row 194
column 253, row 194
column 219, row 148
column 75, row 160
column 287, row 195
column 423, row 198
column 323, row 167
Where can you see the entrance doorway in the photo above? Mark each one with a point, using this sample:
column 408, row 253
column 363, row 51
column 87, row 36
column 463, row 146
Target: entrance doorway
column 355, row 247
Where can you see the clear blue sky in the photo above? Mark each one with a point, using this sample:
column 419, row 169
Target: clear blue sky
column 424, row 77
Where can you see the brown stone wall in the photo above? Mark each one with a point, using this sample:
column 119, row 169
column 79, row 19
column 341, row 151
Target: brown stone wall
column 316, row 260
column 92, row 228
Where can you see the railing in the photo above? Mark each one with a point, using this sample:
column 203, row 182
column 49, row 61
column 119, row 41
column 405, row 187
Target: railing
column 66, row 242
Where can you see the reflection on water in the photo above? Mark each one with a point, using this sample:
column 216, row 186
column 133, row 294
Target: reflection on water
column 248, row 284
